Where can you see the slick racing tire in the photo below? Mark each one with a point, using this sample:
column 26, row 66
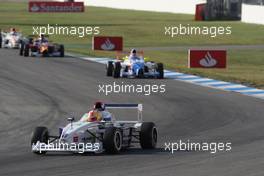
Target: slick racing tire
column 26, row 50
column 40, row 134
column 61, row 50
column 160, row 70
column 109, row 68
column 140, row 73
column 112, row 141
column 148, row 135
column 117, row 69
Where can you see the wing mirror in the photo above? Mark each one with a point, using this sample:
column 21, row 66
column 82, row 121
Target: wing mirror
column 71, row 119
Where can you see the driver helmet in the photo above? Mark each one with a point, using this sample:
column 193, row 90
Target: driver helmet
column 99, row 106
column 133, row 52
column 13, row 30
column 41, row 36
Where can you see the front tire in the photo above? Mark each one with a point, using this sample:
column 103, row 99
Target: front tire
column 40, row 134
column 112, row 141
column 160, row 70
column 61, row 50
column 26, row 51
column 117, row 70
column 148, row 135
column 109, row 68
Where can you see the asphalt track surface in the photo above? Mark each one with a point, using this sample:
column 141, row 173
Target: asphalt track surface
column 43, row 91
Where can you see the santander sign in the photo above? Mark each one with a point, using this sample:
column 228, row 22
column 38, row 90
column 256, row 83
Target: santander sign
column 50, row 6
column 107, row 43
column 207, row 59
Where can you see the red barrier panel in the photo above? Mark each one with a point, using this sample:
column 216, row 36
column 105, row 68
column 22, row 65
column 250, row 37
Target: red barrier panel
column 199, row 12
column 207, row 59
column 50, row 6
column 108, row 43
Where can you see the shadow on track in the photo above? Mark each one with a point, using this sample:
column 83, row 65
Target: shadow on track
column 131, row 151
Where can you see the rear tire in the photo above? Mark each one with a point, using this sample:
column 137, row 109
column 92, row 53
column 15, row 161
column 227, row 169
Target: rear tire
column 40, row 134
column 112, row 141
column 160, row 70
column 148, row 135
column 109, row 68
column 26, row 51
column 61, row 50
column 117, row 70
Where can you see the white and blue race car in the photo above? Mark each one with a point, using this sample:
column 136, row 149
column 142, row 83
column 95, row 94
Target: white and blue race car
column 138, row 68
column 107, row 135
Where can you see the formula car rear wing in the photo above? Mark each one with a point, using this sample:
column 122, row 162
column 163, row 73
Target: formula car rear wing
column 139, row 107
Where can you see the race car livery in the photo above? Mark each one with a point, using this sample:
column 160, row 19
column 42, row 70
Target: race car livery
column 38, row 47
column 105, row 135
column 139, row 68
column 10, row 39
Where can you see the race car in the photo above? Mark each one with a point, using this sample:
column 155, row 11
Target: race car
column 106, row 135
column 40, row 46
column 10, row 39
column 139, row 68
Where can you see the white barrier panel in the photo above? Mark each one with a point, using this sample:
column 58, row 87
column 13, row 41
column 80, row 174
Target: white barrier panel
column 173, row 6
column 252, row 14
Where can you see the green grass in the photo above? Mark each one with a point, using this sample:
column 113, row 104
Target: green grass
column 245, row 67
column 146, row 29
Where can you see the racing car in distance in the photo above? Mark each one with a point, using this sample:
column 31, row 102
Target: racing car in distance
column 40, row 46
column 10, row 39
column 140, row 68
column 110, row 136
